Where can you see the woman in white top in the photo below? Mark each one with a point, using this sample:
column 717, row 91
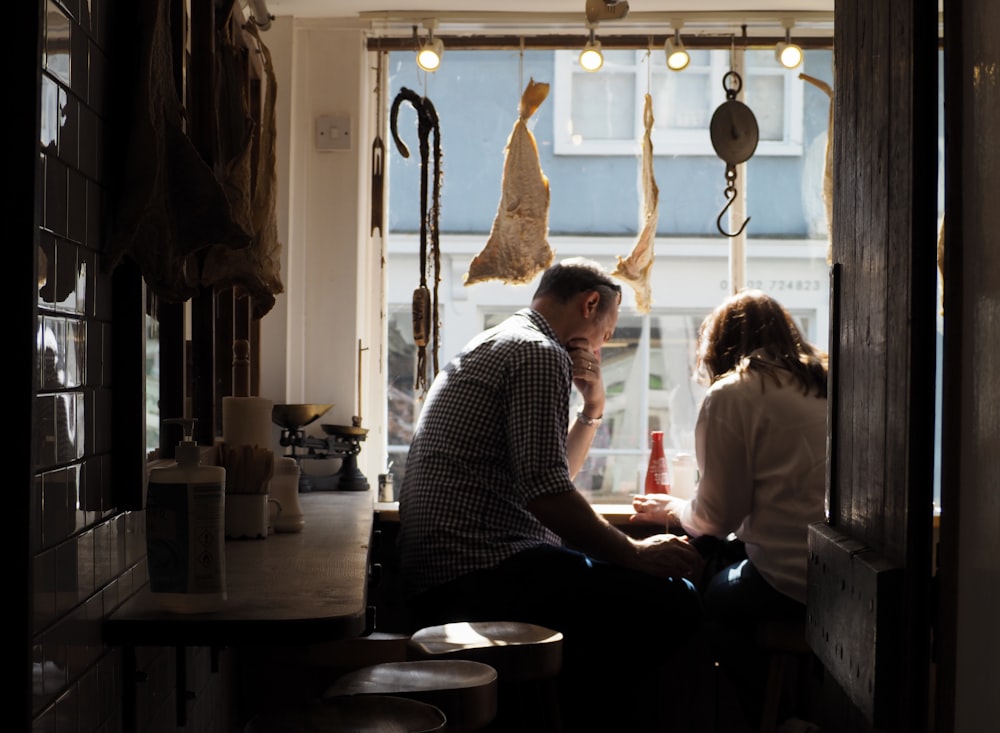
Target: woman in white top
column 760, row 443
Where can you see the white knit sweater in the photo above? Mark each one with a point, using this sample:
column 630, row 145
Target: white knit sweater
column 762, row 458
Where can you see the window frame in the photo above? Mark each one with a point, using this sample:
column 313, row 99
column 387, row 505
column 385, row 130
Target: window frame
column 666, row 141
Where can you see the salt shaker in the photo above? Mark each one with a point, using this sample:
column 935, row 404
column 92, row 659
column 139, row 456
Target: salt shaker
column 284, row 487
column 385, row 488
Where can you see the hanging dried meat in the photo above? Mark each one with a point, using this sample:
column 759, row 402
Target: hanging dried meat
column 170, row 206
column 249, row 185
column 518, row 247
column 940, row 264
column 828, row 162
column 637, row 267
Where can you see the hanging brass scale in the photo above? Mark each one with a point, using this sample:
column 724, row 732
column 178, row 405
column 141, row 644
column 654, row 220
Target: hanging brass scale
column 734, row 136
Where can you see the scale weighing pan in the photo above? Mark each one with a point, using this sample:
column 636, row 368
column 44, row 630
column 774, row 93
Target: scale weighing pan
column 293, row 417
column 346, row 431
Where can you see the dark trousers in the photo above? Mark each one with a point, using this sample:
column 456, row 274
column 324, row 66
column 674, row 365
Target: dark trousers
column 737, row 600
column 620, row 630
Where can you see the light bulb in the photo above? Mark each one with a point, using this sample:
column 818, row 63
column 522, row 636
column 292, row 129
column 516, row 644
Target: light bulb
column 787, row 53
column 591, row 58
column 429, row 55
column 677, row 56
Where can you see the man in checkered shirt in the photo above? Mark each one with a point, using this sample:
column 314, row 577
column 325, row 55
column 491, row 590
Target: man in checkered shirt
column 491, row 525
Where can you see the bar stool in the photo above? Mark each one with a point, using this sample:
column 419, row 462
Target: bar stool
column 465, row 691
column 789, row 652
column 527, row 658
column 358, row 714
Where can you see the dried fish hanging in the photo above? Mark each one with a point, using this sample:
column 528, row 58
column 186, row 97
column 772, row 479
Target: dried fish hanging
column 636, row 269
column 518, row 246
column 827, row 162
column 425, row 305
column 940, row 265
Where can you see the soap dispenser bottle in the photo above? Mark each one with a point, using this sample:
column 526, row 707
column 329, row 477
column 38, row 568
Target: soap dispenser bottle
column 185, row 530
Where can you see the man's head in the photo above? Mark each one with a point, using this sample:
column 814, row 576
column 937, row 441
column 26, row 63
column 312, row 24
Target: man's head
column 579, row 299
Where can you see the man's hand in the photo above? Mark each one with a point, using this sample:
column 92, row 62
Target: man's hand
column 587, row 375
column 669, row 556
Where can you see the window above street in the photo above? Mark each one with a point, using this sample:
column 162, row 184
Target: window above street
column 601, row 113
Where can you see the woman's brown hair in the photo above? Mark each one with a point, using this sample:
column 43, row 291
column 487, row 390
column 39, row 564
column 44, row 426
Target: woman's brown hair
column 752, row 321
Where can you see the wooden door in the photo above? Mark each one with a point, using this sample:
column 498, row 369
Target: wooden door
column 967, row 638
column 870, row 564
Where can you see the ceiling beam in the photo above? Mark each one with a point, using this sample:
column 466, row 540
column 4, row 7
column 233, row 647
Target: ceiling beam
column 485, row 24
column 557, row 42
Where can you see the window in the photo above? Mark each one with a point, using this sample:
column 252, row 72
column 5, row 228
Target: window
column 648, row 365
column 601, row 113
column 151, row 344
column 402, row 361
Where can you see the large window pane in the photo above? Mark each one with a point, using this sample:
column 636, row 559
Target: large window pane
column 768, row 104
column 401, row 412
column 594, row 212
column 614, row 117
column 682, row 101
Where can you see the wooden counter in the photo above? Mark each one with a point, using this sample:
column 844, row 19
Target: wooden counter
column 292, row 588
column 616, row 514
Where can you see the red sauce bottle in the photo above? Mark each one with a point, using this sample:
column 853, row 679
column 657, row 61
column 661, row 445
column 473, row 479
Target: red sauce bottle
column 657, row 474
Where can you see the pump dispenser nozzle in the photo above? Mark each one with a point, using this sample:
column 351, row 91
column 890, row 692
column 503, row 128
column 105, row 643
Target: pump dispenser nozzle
column 187, row 452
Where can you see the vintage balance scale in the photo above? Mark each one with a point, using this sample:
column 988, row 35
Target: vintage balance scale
column 341, row 441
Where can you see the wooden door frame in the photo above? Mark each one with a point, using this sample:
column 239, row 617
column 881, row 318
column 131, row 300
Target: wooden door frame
column 870, row 564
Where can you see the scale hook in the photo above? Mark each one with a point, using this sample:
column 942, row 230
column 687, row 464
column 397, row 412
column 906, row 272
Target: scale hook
column 731, row 195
